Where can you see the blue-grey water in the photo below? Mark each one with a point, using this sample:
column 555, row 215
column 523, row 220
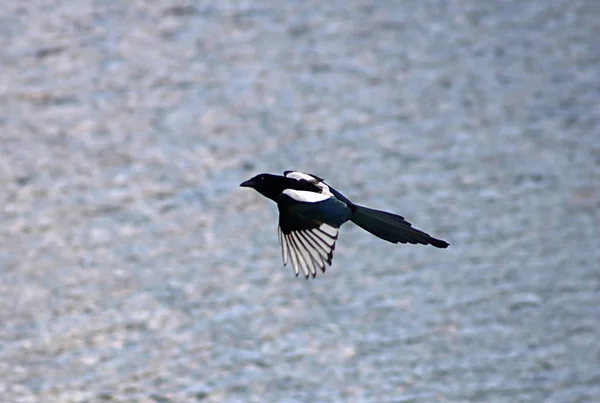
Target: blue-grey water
column 133, row 268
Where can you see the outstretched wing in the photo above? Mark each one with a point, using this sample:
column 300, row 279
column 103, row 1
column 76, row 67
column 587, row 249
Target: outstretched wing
column 308, row 229
column 309, row 250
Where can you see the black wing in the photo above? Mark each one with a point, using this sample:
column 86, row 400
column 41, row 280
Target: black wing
column 308, row 232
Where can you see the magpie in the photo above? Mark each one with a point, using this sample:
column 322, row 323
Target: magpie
column 311, row 213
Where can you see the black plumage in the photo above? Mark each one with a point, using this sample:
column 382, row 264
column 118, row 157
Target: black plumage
column 311, row 213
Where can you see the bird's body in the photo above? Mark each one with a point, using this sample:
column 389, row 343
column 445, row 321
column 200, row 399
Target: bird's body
column 311, row 213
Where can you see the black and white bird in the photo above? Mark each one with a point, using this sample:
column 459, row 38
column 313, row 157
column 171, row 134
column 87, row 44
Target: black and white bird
column 311, row 213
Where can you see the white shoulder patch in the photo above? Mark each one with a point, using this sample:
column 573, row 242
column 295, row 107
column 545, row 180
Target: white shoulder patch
column 324, row 188
column 315, row 181
column 305, row 195
column 300, row 176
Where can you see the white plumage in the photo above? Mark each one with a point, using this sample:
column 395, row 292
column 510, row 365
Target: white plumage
column 305, row 195
column 315, row 181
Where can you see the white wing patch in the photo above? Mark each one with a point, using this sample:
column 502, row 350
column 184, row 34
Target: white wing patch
column 309, row 178
column 309, row 250
column 305, row 195
column 300, row 176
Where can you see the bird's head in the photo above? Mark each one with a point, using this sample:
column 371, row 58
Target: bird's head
column 266, row 184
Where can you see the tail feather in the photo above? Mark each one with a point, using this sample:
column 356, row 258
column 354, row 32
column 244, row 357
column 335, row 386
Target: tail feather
column 392, row 227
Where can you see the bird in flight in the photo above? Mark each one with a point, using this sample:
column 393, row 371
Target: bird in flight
column 311, row 213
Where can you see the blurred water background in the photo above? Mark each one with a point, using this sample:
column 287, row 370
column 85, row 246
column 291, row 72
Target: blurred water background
column 133, row 268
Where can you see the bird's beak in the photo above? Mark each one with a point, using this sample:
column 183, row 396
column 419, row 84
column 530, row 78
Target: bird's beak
column 248, row 184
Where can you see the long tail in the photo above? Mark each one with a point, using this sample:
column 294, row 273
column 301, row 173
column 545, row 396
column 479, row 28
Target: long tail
column 392, row 227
